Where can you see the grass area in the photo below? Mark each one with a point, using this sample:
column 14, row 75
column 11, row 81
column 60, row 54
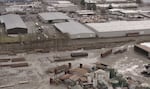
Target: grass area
column 10, row 39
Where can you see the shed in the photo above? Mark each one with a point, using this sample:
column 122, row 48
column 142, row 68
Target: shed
column 75, row 30
column 66, row 7
column 13, row 24
column 85, row 12
column 49, row 17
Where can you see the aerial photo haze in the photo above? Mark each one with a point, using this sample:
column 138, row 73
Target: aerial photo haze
column 74, row 44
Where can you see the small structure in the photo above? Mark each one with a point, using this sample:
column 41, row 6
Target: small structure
column 13, row 24
column 66, row 7
column 13, row 9
column 129, row 13
column 49, row 17
column 85, row 12
column 75, row 30
column 51, row 9
column 121, row 28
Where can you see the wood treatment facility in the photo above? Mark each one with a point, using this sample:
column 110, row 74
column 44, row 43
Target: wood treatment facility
column 13, row 24
column 121, row 28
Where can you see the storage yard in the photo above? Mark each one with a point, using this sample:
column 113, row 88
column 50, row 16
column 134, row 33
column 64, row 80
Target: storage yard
column 74, row 44
column 34, row 75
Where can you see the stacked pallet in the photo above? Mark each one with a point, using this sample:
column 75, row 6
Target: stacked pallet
column 13, row 62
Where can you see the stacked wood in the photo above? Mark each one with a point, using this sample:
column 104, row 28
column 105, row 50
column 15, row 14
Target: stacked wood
column 18, row 59
column 19, row 64
column 106, row 53
column 41, row 51
column 14, row 65
column 122, row 50
column 59, row 59
column 58, row 69
column 79, row 54
column 4, row 59
column 5, row 65
column 101, row 65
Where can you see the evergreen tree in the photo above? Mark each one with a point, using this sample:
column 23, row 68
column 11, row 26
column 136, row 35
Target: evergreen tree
column 82, row 2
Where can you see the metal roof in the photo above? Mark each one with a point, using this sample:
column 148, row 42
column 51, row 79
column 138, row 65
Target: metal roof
column 146, row 44
column 120, row 26
column 63, row 2
column 116, row 0
column 53, row 16
column 143, row 47
column 117, row 5
column 72, row 28
column 90, row 1
column 12, row 21
column 15, row 0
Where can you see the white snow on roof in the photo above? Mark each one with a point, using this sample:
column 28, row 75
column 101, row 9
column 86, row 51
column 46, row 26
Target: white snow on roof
column 72, row 28
column 146, row 44
column 12, row 21
column 120, row 26
column 53, row 16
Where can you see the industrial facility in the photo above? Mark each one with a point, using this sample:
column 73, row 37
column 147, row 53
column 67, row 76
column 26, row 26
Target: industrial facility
column 74, row 44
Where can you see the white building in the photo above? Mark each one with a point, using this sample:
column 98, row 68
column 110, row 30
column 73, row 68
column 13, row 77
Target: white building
column 49, row 17
column 121, row 28
column 75, row 30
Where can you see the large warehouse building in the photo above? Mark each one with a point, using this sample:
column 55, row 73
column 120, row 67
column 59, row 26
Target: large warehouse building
column 49, row 17
column 13, row 24
column 75, row 30
column 121, row 28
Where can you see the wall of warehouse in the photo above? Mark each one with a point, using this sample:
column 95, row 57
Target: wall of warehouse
column 17, row 31
column 82, row 35
column 122, row 33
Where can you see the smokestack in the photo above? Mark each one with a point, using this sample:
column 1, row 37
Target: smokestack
column 70, row 65
column 81, row 65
